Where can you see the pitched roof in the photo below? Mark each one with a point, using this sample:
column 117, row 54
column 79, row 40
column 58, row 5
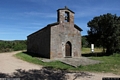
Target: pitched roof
column 48, row 26
column 77, row 27
column 53, row 24
column 56, row 23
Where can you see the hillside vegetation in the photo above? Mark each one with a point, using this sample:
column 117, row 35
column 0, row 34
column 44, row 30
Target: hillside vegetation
column 7, row 46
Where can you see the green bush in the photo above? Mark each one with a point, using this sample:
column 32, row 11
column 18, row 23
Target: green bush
column 6, row 46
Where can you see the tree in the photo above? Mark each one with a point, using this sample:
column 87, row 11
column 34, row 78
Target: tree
column 104, row 31
column 85, row 41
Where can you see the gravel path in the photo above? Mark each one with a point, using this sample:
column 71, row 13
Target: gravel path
column 91, row 76
column 9, row 64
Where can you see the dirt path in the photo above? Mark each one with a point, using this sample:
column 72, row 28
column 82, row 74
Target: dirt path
column 9, row 64
column 91, row 76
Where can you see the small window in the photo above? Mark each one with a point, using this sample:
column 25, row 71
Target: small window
column 66, row 16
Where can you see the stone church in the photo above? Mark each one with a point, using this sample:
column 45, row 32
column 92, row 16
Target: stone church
column 61, row 39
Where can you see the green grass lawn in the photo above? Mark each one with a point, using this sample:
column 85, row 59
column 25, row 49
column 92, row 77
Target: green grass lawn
column 55, row 64
column 88, row 50
column 109, row 63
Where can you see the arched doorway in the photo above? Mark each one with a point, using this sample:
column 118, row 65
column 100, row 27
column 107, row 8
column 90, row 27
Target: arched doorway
column 68, row 49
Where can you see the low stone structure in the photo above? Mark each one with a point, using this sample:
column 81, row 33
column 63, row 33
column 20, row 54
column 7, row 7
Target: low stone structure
column 57, row 40
column 75, row 62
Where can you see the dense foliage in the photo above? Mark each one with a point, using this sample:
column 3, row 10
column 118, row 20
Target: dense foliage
column 85, row 42
column 105, row 31
column 16, row 45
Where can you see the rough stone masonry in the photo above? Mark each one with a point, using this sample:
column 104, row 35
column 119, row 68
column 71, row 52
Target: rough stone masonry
column 61, row 39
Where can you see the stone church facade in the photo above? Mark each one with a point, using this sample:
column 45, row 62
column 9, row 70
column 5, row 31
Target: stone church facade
column 61, row 39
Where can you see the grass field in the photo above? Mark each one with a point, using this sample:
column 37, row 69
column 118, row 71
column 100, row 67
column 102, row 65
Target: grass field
column 109, row 63
column 88, row 50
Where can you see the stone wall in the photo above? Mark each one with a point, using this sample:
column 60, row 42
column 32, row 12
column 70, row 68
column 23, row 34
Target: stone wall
column 60, row 35
column 61, row 16
column 39, row 42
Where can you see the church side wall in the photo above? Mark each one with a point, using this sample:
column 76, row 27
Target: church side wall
column 39, row 43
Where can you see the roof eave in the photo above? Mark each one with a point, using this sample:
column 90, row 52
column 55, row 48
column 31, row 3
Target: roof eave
column 77, row 27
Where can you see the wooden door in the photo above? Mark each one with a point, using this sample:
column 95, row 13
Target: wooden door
column 68, row 49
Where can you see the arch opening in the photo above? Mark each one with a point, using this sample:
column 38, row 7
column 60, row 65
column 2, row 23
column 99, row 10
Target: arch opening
column 68, row 49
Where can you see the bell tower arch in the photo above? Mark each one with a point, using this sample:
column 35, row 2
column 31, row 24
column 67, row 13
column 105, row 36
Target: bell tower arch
column 65, row 15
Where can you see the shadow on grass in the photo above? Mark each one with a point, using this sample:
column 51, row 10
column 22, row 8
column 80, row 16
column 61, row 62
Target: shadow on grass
column 96, row 54
column 31, row 54
column 46, row 73
column 35, row 55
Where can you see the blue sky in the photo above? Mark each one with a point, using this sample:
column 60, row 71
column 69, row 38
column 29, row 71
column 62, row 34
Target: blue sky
column 19, row 18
